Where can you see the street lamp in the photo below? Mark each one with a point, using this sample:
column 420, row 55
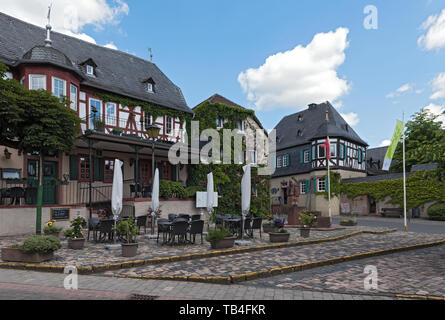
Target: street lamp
column 153, row 133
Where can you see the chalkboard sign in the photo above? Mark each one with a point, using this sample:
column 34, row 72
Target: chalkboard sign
column 60, row 214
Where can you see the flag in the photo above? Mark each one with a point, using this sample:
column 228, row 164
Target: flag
column 327, row 146
column 392, row 147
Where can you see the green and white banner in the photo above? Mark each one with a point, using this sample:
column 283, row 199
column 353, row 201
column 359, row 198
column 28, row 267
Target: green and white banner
column 392, row 147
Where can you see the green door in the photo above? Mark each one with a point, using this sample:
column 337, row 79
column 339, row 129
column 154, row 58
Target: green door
column 49, row 182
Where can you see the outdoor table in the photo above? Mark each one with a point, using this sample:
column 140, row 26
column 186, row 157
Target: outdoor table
column 234, row 225
column 169, row 224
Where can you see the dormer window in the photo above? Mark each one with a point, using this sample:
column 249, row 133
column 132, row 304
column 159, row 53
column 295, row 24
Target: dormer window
column 149, row 87
column 300, row 117
column 90, row 70
column 299, row 133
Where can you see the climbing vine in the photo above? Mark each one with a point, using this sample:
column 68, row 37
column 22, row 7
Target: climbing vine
column 227, row 177
column 149, row 108
column 421, row 188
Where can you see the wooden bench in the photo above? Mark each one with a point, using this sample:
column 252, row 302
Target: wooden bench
column 392, row 212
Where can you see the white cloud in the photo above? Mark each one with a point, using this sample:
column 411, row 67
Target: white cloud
column 438, row 84
column 67, row 16
column 111, row 45
column 385, row 143
column 351, row 118
column 403, row 89
column 300, row 76
column 434, row 38
column 438, row 111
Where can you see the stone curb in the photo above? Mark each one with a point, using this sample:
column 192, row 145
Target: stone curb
column 186, row 257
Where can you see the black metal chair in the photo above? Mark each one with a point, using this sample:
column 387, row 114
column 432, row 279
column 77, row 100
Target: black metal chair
column 16, row 193
column 184, row 216
column 248, row 227
column 164, row 228
column 141, row 221
column 133, row 189
column 256, row 225
column 196, row 217
column 172, row 216
column 93, row 226
column 197, row 227
column 105, row 229
column 147, row 191
column 219, row 220
column 179, row 229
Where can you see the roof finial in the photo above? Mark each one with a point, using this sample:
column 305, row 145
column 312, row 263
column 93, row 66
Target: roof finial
column 48, row 28
column 151, row 54
column 327, row 115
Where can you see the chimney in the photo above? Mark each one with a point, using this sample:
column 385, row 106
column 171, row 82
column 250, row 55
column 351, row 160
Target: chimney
column 312, row 106
column 48, row 29
column 327, row 115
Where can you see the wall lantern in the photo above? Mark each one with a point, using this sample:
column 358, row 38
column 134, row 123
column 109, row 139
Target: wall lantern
column 7, row 153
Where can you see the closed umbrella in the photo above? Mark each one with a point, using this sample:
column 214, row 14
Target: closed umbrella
column 210, row 194
column 117, row 192
column 246, row 190
column 154, row 200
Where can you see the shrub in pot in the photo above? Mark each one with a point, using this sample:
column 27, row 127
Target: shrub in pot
column 307, row 221
column 74, row 234
column 34, row 249
column 281, row 234
column 129, row 230
column 51, row 230
column 220, row 238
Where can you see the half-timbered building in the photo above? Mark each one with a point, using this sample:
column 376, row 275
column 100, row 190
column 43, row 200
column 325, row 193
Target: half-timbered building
column 300, row 177
column 108, row 90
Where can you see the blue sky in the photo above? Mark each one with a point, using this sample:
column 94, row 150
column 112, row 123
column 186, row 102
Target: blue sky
column 203, row 46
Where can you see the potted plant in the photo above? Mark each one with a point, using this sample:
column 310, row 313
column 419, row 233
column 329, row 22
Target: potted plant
column 270, row 225
column 34, row 249
column 128, row 229
column 348, row 222
column 99, row 125
column 307, row 221
column 117, row 131
column 74, row 234
column 51, row 230
column 280, row 234
column 102, row 214
column 220, row 238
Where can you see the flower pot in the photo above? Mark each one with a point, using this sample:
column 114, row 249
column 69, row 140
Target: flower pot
column 304, row 232
column 269, row 229
column 129, row 249
column 76, row 244
column 279, row 237
column 223, row 244
column 16, row 255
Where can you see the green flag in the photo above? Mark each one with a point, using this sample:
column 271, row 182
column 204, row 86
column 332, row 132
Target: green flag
column 392, row 147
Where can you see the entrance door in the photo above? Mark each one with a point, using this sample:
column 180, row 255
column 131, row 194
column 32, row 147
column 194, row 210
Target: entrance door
column 49, row 182
column 372, row 205
column 144, row 172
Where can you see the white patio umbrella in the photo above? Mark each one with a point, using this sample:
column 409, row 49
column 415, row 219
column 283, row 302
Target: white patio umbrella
column 117, row 191
column 210, row 194
column 246, row 190
column 154, row 200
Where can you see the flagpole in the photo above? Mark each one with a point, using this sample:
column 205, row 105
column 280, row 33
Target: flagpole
column 404, row 177
column 328, row 149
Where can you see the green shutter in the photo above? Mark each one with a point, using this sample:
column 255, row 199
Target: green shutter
column 308, row 185
column 98, row 169
column 346, row 152
column 327, row 184
column 310, row 155
column 287, row 160
column 74, row 167
column 314, row 180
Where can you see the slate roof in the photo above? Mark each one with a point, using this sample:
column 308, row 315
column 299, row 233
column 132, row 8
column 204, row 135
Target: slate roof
column 313, row 125
column 116, row 71
column 374, row 160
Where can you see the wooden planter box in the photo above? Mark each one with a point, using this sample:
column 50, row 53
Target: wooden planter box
column 16, row 255
column 279, row 237
column 223, row 244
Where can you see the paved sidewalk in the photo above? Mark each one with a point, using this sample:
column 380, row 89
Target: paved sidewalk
column 47, row 285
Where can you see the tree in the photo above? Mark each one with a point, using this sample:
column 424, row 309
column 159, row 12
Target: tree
column 424, row 142
column 35, row 120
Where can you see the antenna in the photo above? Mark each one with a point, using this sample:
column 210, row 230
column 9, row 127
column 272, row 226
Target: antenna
column 151, row 54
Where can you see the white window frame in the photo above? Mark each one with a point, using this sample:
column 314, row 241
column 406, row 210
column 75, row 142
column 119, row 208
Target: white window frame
column 168, row 125
column 321, row 182
column 149, row 87
column 318, row 152
column 303, row 187
column 306, row 156
column 219, row 123
column 285, row 163
column 73, row 102
column 31, row 76
column 239, row 124
column 333, row 149
column 279, row 161
column 110, row 121
column 90, row 70
column 54, row 79
column 252, row 157
column 99, row 111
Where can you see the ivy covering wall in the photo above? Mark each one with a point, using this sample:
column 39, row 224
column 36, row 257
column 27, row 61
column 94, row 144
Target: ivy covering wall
column 421, row 188
column 227, row 178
